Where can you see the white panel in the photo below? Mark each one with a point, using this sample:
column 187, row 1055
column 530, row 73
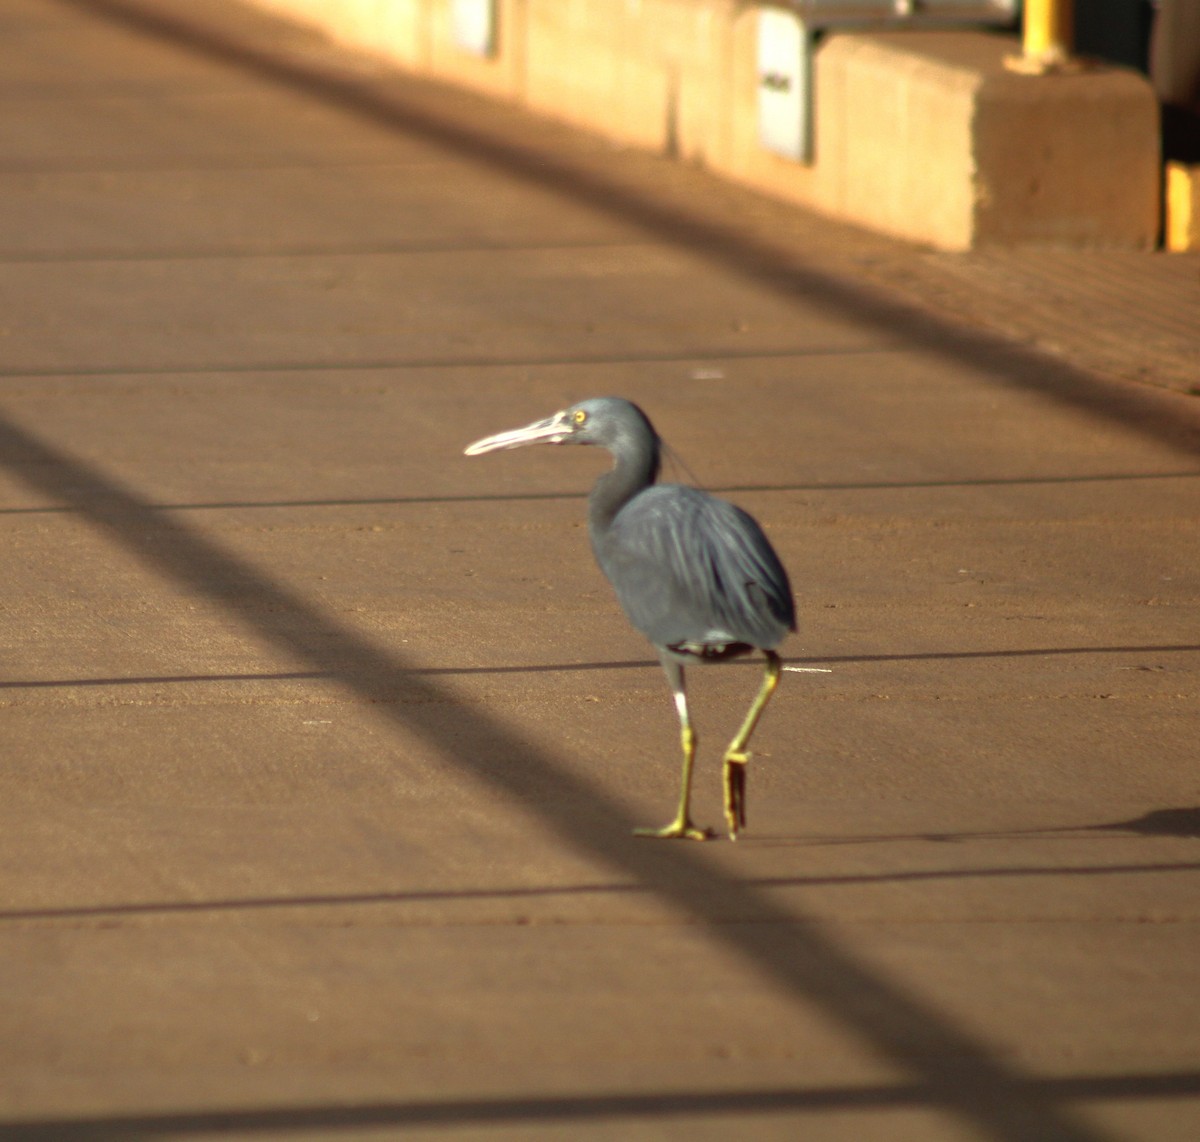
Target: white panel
column 784, row 98
column 475, row 26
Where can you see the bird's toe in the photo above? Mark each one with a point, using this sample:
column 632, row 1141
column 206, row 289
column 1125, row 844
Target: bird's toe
column 679, row 830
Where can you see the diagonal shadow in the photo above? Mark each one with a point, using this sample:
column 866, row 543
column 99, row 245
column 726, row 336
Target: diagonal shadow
column 564, row 1109
column 962, row 1073
column 987, row 355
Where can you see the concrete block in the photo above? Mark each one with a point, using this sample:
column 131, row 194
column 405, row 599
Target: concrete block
column 588, row 66
column 1071, row 158
column 928, row 135
column 894, row 138
column 648, row 72
column 395, row 29
column 499, row 74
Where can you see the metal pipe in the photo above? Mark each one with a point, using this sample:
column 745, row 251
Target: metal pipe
column 1047, row 32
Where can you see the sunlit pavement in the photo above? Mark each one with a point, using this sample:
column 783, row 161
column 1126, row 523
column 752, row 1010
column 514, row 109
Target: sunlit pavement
column 323, row 743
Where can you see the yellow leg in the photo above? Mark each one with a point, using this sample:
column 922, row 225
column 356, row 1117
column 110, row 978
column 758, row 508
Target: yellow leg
column 737, row 756
column 681, row 828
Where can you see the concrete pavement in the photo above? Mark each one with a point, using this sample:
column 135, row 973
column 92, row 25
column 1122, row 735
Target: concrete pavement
column 323, row 742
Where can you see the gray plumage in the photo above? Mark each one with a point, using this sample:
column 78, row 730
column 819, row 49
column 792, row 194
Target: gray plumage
column 695, row 574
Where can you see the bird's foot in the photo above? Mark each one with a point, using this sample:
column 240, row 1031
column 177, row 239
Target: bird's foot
column 681, row 829
column 734, row 772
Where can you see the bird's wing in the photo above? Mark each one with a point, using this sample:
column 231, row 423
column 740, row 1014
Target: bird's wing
column 688, row 567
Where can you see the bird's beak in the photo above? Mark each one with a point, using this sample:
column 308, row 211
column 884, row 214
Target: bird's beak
column 553, row 430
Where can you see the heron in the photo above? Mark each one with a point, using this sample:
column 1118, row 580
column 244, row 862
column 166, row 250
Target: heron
column 695, row 574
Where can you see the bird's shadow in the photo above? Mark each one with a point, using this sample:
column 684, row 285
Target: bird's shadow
column 1181, row 822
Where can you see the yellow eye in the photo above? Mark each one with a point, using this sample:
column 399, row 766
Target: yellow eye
column 580, row 416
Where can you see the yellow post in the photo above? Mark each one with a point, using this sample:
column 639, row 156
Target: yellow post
column 1183, row 207
column 1046, row 38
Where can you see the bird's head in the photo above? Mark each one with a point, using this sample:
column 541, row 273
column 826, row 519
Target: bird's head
column 602, row 420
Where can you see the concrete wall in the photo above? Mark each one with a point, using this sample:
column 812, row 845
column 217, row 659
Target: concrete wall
column 924, row 135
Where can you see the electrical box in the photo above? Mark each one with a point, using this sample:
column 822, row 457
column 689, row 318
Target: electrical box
column 784, row 106
column 474, row 24
column 787, row 35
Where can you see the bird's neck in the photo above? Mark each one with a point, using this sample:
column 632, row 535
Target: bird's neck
column 634, row 470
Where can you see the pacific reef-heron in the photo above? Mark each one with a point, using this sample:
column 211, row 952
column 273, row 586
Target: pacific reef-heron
column 695, row 574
